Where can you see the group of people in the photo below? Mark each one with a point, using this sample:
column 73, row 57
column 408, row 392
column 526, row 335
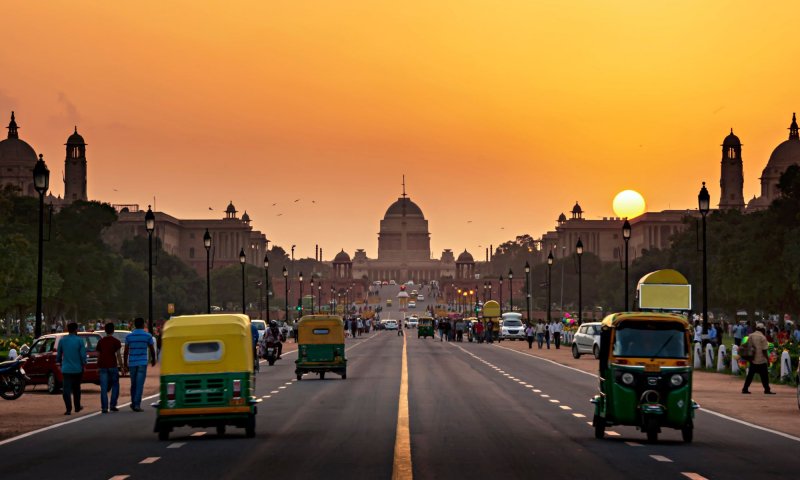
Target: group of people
column 544, row 332
column 357, row 326
column 139, row 352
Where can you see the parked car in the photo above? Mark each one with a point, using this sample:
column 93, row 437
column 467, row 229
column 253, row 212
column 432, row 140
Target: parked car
column 40, row 363
column 511, row 327
column 587, row 340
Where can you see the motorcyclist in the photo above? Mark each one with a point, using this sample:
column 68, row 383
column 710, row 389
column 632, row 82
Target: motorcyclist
column 273, row 334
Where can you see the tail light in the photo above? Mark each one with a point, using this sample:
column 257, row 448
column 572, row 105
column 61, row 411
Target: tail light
column 171, row 391
column 237, row 388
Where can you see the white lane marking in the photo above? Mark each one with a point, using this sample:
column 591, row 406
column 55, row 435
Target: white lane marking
column 693, row 476
column 275, row 391
column 281, row 388
column 176, row 445
column 633, row 444
column 611, row 433
column 553, row 400
column 578, row 415
column 289, row 383
column 536, row 390
column 590, row 424
column 68, row 422
column 660, row 458
column 545, row 396
column 712, row 412
column 198, row 434
column 123, row 477
column 564, row 407
column 149, row 460
column 528, row 386
column 521, row 382
column 266, row 396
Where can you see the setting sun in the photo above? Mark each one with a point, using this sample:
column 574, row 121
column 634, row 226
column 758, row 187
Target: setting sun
column 629, row 204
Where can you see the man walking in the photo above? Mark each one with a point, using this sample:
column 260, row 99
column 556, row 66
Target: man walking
column 108, row 361
column 138, row 344
column 760, row 361
column 540, row 331
column 529, row 332
column 71, row 357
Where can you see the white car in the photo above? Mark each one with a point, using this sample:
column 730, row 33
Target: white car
column 512, row 327
column 587, row 340
column 389, row 324
column 420, row 298
column 261, row 325
column 392, row 282
column 412, row 304
column 412, row 322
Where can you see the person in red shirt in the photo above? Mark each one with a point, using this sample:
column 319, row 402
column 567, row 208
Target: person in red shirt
column 108, row 361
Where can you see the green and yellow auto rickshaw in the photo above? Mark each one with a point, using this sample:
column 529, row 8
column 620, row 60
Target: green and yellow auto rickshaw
column 207, row 374
column 491, row 313
column 425, row 328
column 645, row 364
column 320, row 341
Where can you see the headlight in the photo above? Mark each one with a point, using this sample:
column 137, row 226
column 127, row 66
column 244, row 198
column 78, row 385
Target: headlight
column 627, row 378
column 676, row 380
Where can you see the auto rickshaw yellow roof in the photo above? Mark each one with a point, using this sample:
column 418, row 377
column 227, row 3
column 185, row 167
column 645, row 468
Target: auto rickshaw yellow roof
column 321, row 320
column 216, row 324
column 615, row 319
column 664, row 277
column 491, row 309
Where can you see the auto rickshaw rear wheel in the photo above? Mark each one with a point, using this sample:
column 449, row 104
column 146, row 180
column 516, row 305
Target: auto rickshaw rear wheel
column 299, row 377
column 322, row 375
column 599, row 427
column 163, row 433
column 220, row 430
column 250, row 428
column 687, row 432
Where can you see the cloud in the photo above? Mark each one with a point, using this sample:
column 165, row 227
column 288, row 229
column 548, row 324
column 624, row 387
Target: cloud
column 69, row 115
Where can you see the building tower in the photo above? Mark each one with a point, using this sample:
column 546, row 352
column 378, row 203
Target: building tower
column 731, row 180
column 75, row 169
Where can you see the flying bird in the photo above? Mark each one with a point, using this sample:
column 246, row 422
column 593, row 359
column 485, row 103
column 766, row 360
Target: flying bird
column 469, row 221
column 210, row 208
column 313, row 201
column 274, row 204
column 280, row 214
column 297, row 200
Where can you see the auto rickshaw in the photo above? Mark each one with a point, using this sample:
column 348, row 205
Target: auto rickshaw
column 645, row 364
column 320, row 341
column 491, row 312
column 425, row 328
column 207, row 374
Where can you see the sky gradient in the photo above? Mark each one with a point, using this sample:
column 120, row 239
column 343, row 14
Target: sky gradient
column 500, row 114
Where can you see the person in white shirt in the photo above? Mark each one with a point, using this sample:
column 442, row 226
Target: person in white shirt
column 698, row 332
column 557, row 329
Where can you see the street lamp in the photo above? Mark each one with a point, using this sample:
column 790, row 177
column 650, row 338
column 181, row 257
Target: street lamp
column 579, row 253
column 490, row 290
column 510, row 290
column 300, row 300
column 41, row 182
column 549, row 276
column 485, row 289
column 528, row 289
column 207, row 245
column 319, row 297
column 242, row 260
column 150, row 226
column 703, row 201
column 500, row 281
column 266, row 280
column 626, row 236
column 286, row 294
column 312, row 294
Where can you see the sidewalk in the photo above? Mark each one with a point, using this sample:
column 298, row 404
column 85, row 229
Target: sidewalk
column 718, row 392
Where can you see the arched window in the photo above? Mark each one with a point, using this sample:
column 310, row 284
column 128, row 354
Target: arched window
column 731, row 153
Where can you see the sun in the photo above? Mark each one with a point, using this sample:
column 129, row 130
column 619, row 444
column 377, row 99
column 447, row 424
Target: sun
column 629, row 204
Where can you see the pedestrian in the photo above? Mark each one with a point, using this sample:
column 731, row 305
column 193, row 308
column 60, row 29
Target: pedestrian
column 138, row 344
column 540, row 332
column 441, row 330
column 738, row 334
column 529, row 332
column 353, row 327
column 557, row 329
column 490, row 331
column 712, row 335
column 400, row 328
column 71, row 357
column 698, row 332
column 477, row 330
column 108, row 361
column 760, row 360
column 548, row 331
column 460, row 330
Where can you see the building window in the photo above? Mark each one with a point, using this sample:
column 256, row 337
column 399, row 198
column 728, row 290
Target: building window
column 191, row 252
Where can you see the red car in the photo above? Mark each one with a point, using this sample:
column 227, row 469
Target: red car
column 40, row 363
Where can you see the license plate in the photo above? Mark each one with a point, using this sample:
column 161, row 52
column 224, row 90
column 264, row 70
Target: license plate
column 652, row 367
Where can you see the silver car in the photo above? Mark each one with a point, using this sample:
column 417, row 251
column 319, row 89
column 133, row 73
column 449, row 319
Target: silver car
column 587, row 340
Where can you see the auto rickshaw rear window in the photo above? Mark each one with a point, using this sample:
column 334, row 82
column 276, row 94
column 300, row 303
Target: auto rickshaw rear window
column 321, row 331
column 650, row 339
column 202, row 351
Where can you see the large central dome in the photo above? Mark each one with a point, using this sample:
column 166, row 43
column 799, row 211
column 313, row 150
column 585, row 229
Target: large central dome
column 403, row 206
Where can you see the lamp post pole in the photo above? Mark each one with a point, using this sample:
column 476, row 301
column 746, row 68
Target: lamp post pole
column 626, row 236
column 300, row 300
column 312, row 294
column 510, row 290
column 207, row 245
column 490, row 290
column 266, row 280
column 41, row 182
column 150, row 226
column 579, row 253
column 500, row 281
column 549, row 276
column 319, row 297
column 286, row 294
column 242, row 260
column 528, row 290
column 703, row 200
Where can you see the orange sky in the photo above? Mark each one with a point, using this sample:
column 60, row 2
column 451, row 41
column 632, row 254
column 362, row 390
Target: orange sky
column 499, row 113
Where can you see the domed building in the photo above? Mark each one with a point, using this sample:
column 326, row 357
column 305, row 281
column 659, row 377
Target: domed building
column 784, row 155
column 17, row 160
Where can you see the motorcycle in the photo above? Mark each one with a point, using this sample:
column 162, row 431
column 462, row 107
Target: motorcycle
column 12, row 379
column 271, row 352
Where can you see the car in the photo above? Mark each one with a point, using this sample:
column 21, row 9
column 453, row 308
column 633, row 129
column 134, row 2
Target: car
column 410, row 283
column 511, row 327
column 392, row 282
column 420, row 298
column 412, row 322
column 412, row 304
column 389, row 324
column 261, row 325
column 385, row 283
column 40, row 362
column 377, row 282
column 587, row 340
column 119, row 335
column 388, row 302
column 414, row 293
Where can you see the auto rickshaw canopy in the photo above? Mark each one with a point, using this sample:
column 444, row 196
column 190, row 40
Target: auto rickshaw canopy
column 320, row 329
column 614, row 319
column 664, row 290
column 206, row 344
column 491, row 309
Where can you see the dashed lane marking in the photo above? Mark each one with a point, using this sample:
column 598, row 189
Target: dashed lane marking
column 536, row 390
column 553, row 400
column 544, row 395
column 149, row 460
column 610, row 433
column 198, row 434
column 275, row 391
column 693, row 476
column 176, row 445
column 281, row 388
column 267, row 396
column 288, row 383
column 123, row 477
column 578, row 415
column 660, row 458
column 564, row 407
column 633, row 444
column 528, row 386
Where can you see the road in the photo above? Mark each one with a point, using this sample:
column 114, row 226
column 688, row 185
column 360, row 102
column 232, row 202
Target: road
column 476, row 411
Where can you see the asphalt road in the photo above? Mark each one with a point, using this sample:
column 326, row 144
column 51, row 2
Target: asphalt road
column 476, row 411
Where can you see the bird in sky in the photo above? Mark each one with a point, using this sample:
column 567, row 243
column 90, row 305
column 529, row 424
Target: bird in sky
column 210, row 208
column 502, row 228
column 313, row 201
column 280, row 214
column 469, row 221
column 116, row 190
column 297, row 200
column 274, row 204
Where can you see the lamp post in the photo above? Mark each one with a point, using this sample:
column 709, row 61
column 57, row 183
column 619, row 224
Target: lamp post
column 319, row 297
column 703, row 201
column 490, row 290
column 312, row 294
column 500, row 281
column 41, row 182
column 207, row 245
column 333, row 300
column 266, row 280
column 579, row 253
column 300, row 300
column 549, row 276
column 286, row 294
column 528, row 289
column 510, row 290
column 485, row 290
column 626, row 236
column 458, row 300
column 150, row 226
column 242, row 260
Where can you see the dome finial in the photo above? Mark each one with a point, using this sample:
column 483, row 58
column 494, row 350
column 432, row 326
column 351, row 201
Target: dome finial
column 12, row 127
column 794, row 130
column 731, row 130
